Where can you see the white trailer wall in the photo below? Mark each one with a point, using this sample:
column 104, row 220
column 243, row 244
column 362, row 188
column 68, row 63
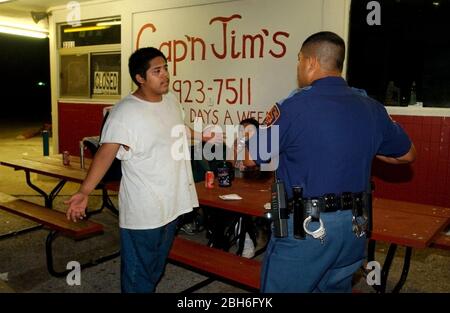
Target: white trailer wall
column 261, row 38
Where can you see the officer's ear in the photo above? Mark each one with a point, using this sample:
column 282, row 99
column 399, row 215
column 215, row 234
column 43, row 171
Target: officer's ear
column 313, row 63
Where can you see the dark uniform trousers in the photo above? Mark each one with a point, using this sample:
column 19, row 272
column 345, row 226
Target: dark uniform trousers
column 293, row 265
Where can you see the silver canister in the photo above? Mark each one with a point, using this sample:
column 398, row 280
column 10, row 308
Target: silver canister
column 66, row 158
column 81, row 154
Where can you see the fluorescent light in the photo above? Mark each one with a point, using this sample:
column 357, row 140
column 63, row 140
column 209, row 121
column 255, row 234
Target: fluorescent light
column 22, row 32
column 2, row 1
column 110, row 23
column 23, row 26
column 84, row 29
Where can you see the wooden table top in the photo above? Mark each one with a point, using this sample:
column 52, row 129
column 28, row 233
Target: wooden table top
column 254, row 193
column 51, row 166
column 399, row 222
column 410, row 207
column 408, row 229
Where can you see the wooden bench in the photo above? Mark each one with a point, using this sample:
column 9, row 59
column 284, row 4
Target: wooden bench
column 442, row 241
column 57, row 223
column 216, row 262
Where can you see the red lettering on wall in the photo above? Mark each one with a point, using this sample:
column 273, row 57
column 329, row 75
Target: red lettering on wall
column 224, row 21
column 234, row 54
column 281, row 44
column 168, row 52
column 252, row 39
column 177, row 46
column 138, row 39
column 195, row 40
column 231, row 44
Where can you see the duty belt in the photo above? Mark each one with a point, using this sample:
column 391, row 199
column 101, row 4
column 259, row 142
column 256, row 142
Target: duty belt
column 331, row 203
column 306, row 210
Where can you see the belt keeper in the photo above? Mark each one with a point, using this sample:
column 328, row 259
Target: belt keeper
column 330, row 202
column 358, row 204
column 315, row 209
column 347, row 201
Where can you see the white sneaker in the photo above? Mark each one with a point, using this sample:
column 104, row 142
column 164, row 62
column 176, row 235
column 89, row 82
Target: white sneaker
column 249, row 248
column 188, row 229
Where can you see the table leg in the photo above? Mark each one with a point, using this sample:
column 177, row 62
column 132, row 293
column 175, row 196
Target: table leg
column 49, row 255
column 387, row 266
column 107, row 201
column 405, row 270
column 242, row 230
column 48, row 198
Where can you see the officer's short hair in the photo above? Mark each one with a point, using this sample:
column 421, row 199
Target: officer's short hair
column 139, row 61
column 328, row 47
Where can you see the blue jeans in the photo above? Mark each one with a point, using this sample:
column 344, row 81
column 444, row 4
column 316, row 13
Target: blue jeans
column 293, row 265
column 143, row 257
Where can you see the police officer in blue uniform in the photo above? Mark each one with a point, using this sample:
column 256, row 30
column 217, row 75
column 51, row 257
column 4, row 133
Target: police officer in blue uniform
column 329, row 134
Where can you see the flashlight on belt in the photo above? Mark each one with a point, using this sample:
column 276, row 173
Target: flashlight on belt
column 279, row 212
column 299, row 212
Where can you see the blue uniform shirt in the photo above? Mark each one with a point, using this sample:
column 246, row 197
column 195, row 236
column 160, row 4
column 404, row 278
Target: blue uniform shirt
column 329, row 134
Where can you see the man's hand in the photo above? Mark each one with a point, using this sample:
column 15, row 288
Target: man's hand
column 212, row 137
column 77, row 206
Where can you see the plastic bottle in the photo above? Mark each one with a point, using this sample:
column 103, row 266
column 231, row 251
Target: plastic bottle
column 223, row 175
column 45, row 143
column 413, row 96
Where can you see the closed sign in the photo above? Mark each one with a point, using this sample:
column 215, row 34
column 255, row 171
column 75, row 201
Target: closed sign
column 106, row 83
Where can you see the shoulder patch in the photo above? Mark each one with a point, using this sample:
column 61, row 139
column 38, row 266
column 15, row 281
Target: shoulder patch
column 271, row 116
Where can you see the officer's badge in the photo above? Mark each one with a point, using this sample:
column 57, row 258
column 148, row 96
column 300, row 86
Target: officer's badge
column 271, row 116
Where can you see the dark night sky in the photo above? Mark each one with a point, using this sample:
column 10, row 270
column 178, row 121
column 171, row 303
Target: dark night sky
column 24, row 62
column 412, row 44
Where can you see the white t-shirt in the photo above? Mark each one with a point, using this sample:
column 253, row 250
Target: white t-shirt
column 156, row 187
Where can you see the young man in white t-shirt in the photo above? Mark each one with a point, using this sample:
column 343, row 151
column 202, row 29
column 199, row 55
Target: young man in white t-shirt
column 157, row 185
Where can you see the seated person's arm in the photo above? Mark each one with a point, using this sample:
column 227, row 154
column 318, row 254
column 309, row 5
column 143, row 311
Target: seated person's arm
column 208, row 135
column 248, row 160
column 250, row 129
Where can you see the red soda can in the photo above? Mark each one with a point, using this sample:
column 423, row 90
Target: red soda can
column 66, row 158
column 209, row 179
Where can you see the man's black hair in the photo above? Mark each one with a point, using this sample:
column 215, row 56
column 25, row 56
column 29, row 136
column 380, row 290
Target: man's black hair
column 251, row 121
column 139, row 61
column 328, row 47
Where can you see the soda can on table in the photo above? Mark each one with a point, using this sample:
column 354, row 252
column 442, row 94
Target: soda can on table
column 66, row 158
column 209, row 179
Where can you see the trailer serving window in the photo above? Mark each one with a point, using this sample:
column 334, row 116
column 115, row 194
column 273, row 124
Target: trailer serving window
column 90, row 33
column 74, row 80
column 90, row 59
